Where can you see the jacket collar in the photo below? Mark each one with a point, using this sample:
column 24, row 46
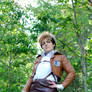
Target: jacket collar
column 56, row 53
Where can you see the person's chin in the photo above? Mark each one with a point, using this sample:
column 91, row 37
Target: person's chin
column 47, row 51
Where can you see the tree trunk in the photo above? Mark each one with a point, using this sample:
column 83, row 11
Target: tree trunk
column 82, row 50
column 10, row 62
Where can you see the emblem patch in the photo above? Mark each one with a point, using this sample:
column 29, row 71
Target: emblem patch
column 57, row 63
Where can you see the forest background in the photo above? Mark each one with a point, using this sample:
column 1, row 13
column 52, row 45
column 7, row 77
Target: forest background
column 69, row 20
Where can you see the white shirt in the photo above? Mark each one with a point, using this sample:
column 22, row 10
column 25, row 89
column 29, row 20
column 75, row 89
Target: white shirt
column 44, row 68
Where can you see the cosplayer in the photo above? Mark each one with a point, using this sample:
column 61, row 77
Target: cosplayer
column 48, row 68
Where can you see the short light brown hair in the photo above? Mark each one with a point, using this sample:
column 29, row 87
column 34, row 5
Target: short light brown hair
column 45, row 35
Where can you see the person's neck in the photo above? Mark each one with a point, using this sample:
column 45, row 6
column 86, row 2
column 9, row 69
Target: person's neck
column 48, row 52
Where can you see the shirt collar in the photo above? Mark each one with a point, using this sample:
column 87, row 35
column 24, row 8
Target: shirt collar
column 49, row 54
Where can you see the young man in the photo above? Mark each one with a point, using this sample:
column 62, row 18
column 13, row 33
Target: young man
column 48, row 68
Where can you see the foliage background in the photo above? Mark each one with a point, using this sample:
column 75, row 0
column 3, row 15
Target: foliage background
column 71, row 23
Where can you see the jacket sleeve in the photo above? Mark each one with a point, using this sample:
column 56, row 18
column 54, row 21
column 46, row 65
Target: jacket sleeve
column 69, row 70
column 27, row 86
column 29, row 82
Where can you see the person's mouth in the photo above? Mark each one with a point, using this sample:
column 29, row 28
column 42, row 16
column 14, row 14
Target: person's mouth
column 46, row 47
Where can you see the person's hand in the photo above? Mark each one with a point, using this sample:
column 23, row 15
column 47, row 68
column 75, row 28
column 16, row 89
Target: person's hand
column 52, row 84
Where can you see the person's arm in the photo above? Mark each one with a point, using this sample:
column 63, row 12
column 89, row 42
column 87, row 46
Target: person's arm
column 70, row 75
column 29, row 82
column 69, row 70
column 27, row 86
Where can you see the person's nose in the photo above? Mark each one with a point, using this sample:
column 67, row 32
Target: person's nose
column 46, row 43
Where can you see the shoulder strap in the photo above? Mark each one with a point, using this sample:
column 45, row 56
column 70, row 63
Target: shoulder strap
column 48, row 75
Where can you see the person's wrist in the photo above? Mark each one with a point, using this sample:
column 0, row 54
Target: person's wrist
column 60, row 87
column 23, row 90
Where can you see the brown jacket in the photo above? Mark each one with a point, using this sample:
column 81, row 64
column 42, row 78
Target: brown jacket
column 58, row 63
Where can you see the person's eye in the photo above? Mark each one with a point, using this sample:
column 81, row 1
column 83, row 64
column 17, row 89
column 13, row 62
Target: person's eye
column 43, row 43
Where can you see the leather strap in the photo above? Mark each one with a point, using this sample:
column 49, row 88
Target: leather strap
column 49, row 75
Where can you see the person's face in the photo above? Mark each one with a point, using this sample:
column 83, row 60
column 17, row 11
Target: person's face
column 47, row 45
